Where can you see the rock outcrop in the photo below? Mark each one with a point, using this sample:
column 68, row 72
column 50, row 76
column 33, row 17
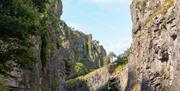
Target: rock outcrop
column 120, row 76
column 90, row 82
column 154, row 61
column 108, row 78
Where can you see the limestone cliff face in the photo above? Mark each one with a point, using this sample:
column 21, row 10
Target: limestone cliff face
column 38, row 51
column 92, row 81
column 107, row 78
column 81, row 48
column 120, row 76
column 33, row 60
column 154, row 62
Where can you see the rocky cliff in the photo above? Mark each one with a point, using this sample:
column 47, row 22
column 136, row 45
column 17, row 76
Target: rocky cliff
column 38, row 51
column 154, row 62
column 81, row 50
column 89, row 82
column 107, row 78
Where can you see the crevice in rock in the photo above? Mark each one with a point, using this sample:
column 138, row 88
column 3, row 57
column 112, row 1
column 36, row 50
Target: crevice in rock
column 163, row 55
column 174, row 36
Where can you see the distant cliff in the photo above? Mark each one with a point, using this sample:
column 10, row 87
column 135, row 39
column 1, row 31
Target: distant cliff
column 154, row 62
column 38, row 51
column 81, row 50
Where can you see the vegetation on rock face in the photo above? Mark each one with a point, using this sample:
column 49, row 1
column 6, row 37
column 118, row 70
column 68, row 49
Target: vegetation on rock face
column 118, row 68
column 93, row 80
column 82, row 48
column 21, row 19
column 18, row 19
column 106, row 60
column 55, row 85
column 141, row 5
column 28, row 34
column 80, row 68
column 161, row 10
column 3, row 85
column 163, row 24
column 75, row 81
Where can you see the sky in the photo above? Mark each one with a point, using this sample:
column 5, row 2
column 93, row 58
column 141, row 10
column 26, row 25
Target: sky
column 109, row 21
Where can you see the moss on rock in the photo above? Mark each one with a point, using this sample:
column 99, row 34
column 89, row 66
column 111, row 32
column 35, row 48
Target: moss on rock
column 75, row 81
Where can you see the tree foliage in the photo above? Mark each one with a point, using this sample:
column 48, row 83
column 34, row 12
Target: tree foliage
column 123, row 58
column 20, row 19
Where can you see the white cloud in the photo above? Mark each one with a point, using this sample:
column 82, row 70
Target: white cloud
column 117, row 46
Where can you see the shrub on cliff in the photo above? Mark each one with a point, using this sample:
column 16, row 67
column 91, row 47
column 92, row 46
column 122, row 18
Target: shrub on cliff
column 19, row 20
column 106, row 60
column 80, row 68
column 3, row 85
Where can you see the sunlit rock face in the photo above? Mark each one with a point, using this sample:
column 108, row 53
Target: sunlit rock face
column 44, row 59
column 154, row 62
column 80, row 49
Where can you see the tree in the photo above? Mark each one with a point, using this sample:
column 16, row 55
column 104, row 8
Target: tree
column 123, row 58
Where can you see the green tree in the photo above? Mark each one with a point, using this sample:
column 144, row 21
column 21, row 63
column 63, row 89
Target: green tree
column 19, row 19
column 123, row 58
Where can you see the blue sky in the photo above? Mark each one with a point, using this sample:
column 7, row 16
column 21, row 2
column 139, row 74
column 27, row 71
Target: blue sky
column 109, row 21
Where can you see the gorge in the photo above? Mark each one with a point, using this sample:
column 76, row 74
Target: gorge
column 40, row 52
